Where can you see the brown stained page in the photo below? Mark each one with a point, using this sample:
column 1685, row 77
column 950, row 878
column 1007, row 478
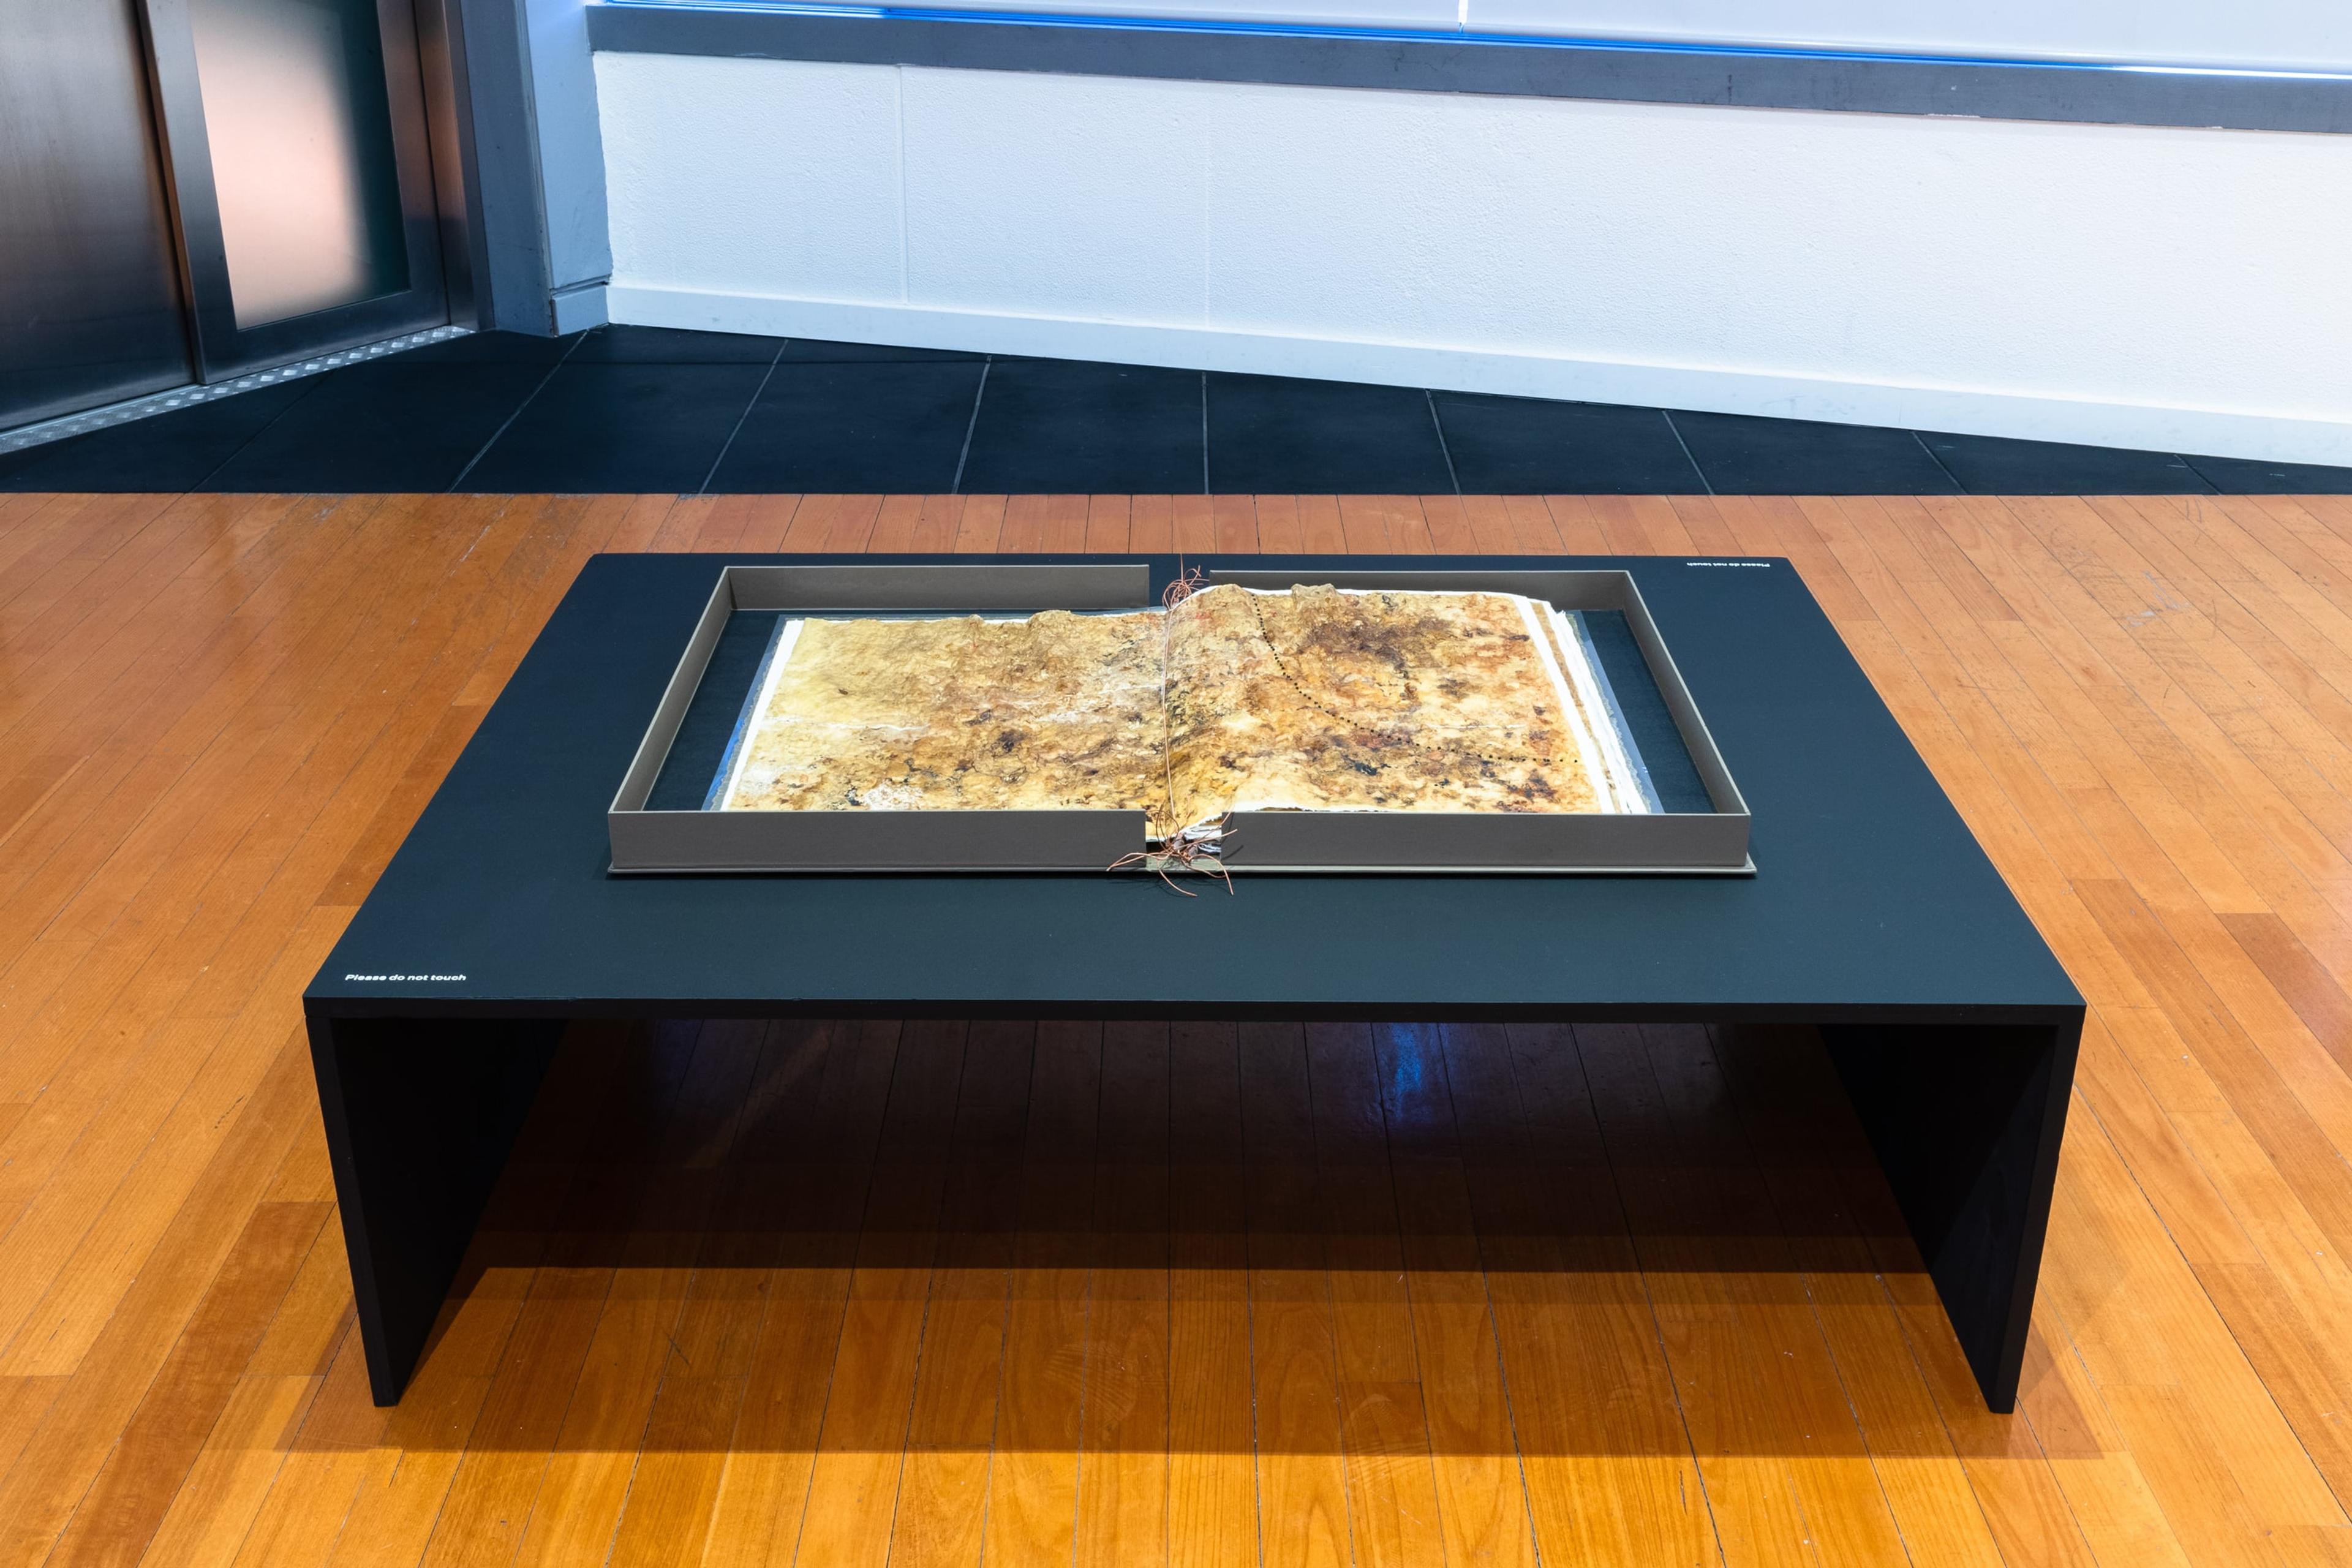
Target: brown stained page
column 1309, row 699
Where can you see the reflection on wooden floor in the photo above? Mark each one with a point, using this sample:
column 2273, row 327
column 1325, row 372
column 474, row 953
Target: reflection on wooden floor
column 849, row 1293
column 1420, row 1294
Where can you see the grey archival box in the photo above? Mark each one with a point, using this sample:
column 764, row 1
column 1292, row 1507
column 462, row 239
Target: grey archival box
column 834, row 842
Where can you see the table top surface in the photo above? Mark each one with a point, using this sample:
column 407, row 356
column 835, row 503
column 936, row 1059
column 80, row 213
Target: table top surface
column 1870, row 899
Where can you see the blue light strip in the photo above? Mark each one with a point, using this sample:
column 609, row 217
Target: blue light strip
column 1426, row 35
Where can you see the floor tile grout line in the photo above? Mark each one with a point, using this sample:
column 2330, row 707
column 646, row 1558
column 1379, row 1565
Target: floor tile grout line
column 1205, row 433
column 1688, row 456
column 508, row 424
column 2186, row 461
column 2190, row 464
column 1942, row 466
column 955, row 486
column 728, row 444
column 1439, row 425
column 270, row 423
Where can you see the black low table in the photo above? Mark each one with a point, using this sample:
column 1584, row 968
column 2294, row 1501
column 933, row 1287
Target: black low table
column 1872, row 914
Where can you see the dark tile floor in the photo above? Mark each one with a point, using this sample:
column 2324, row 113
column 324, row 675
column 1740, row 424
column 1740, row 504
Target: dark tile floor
column 647, row 409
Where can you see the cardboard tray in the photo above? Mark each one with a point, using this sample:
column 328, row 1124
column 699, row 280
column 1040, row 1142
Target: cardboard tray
column 660, row 841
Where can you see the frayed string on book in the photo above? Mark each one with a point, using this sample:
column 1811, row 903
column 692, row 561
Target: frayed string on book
column 1200, row 847
column 1183, row 585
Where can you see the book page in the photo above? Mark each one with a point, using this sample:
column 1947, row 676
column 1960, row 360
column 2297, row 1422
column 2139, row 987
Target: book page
column 1057, row 712
column 1325, row 700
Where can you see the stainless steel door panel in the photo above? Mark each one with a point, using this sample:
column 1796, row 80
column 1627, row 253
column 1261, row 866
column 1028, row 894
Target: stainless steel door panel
column 299, row 123
column 90, row 291
column 299, row 154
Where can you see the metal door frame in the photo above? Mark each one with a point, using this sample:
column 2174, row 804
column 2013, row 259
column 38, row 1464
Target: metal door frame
column 432, row 186
column 441, row 62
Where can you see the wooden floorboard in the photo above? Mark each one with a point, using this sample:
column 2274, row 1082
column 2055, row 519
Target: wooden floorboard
column 865, row 1292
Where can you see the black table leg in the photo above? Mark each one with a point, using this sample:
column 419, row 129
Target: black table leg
column 420, row 1115
column 1966, row 1122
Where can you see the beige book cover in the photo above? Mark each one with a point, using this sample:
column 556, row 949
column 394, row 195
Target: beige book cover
column 1315, row 699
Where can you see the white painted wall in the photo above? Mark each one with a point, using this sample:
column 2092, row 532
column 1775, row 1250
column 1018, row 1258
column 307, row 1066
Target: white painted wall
column 2187, row 290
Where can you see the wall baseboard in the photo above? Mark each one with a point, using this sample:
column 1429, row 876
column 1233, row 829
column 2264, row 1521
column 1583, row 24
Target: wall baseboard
column 578, row 308
column 1965, row 411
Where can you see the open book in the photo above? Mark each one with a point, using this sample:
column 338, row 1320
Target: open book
column 1314, row 699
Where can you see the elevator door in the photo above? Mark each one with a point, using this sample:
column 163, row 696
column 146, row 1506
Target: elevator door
column 197, row 189
column 295, row 133
column 90, row 292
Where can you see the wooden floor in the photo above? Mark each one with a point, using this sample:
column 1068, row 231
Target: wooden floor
column 843, row 1294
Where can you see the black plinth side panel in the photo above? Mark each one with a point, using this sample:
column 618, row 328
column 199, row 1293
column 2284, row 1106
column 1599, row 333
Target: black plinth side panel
column 1966, row 1122
column 420, row 1117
